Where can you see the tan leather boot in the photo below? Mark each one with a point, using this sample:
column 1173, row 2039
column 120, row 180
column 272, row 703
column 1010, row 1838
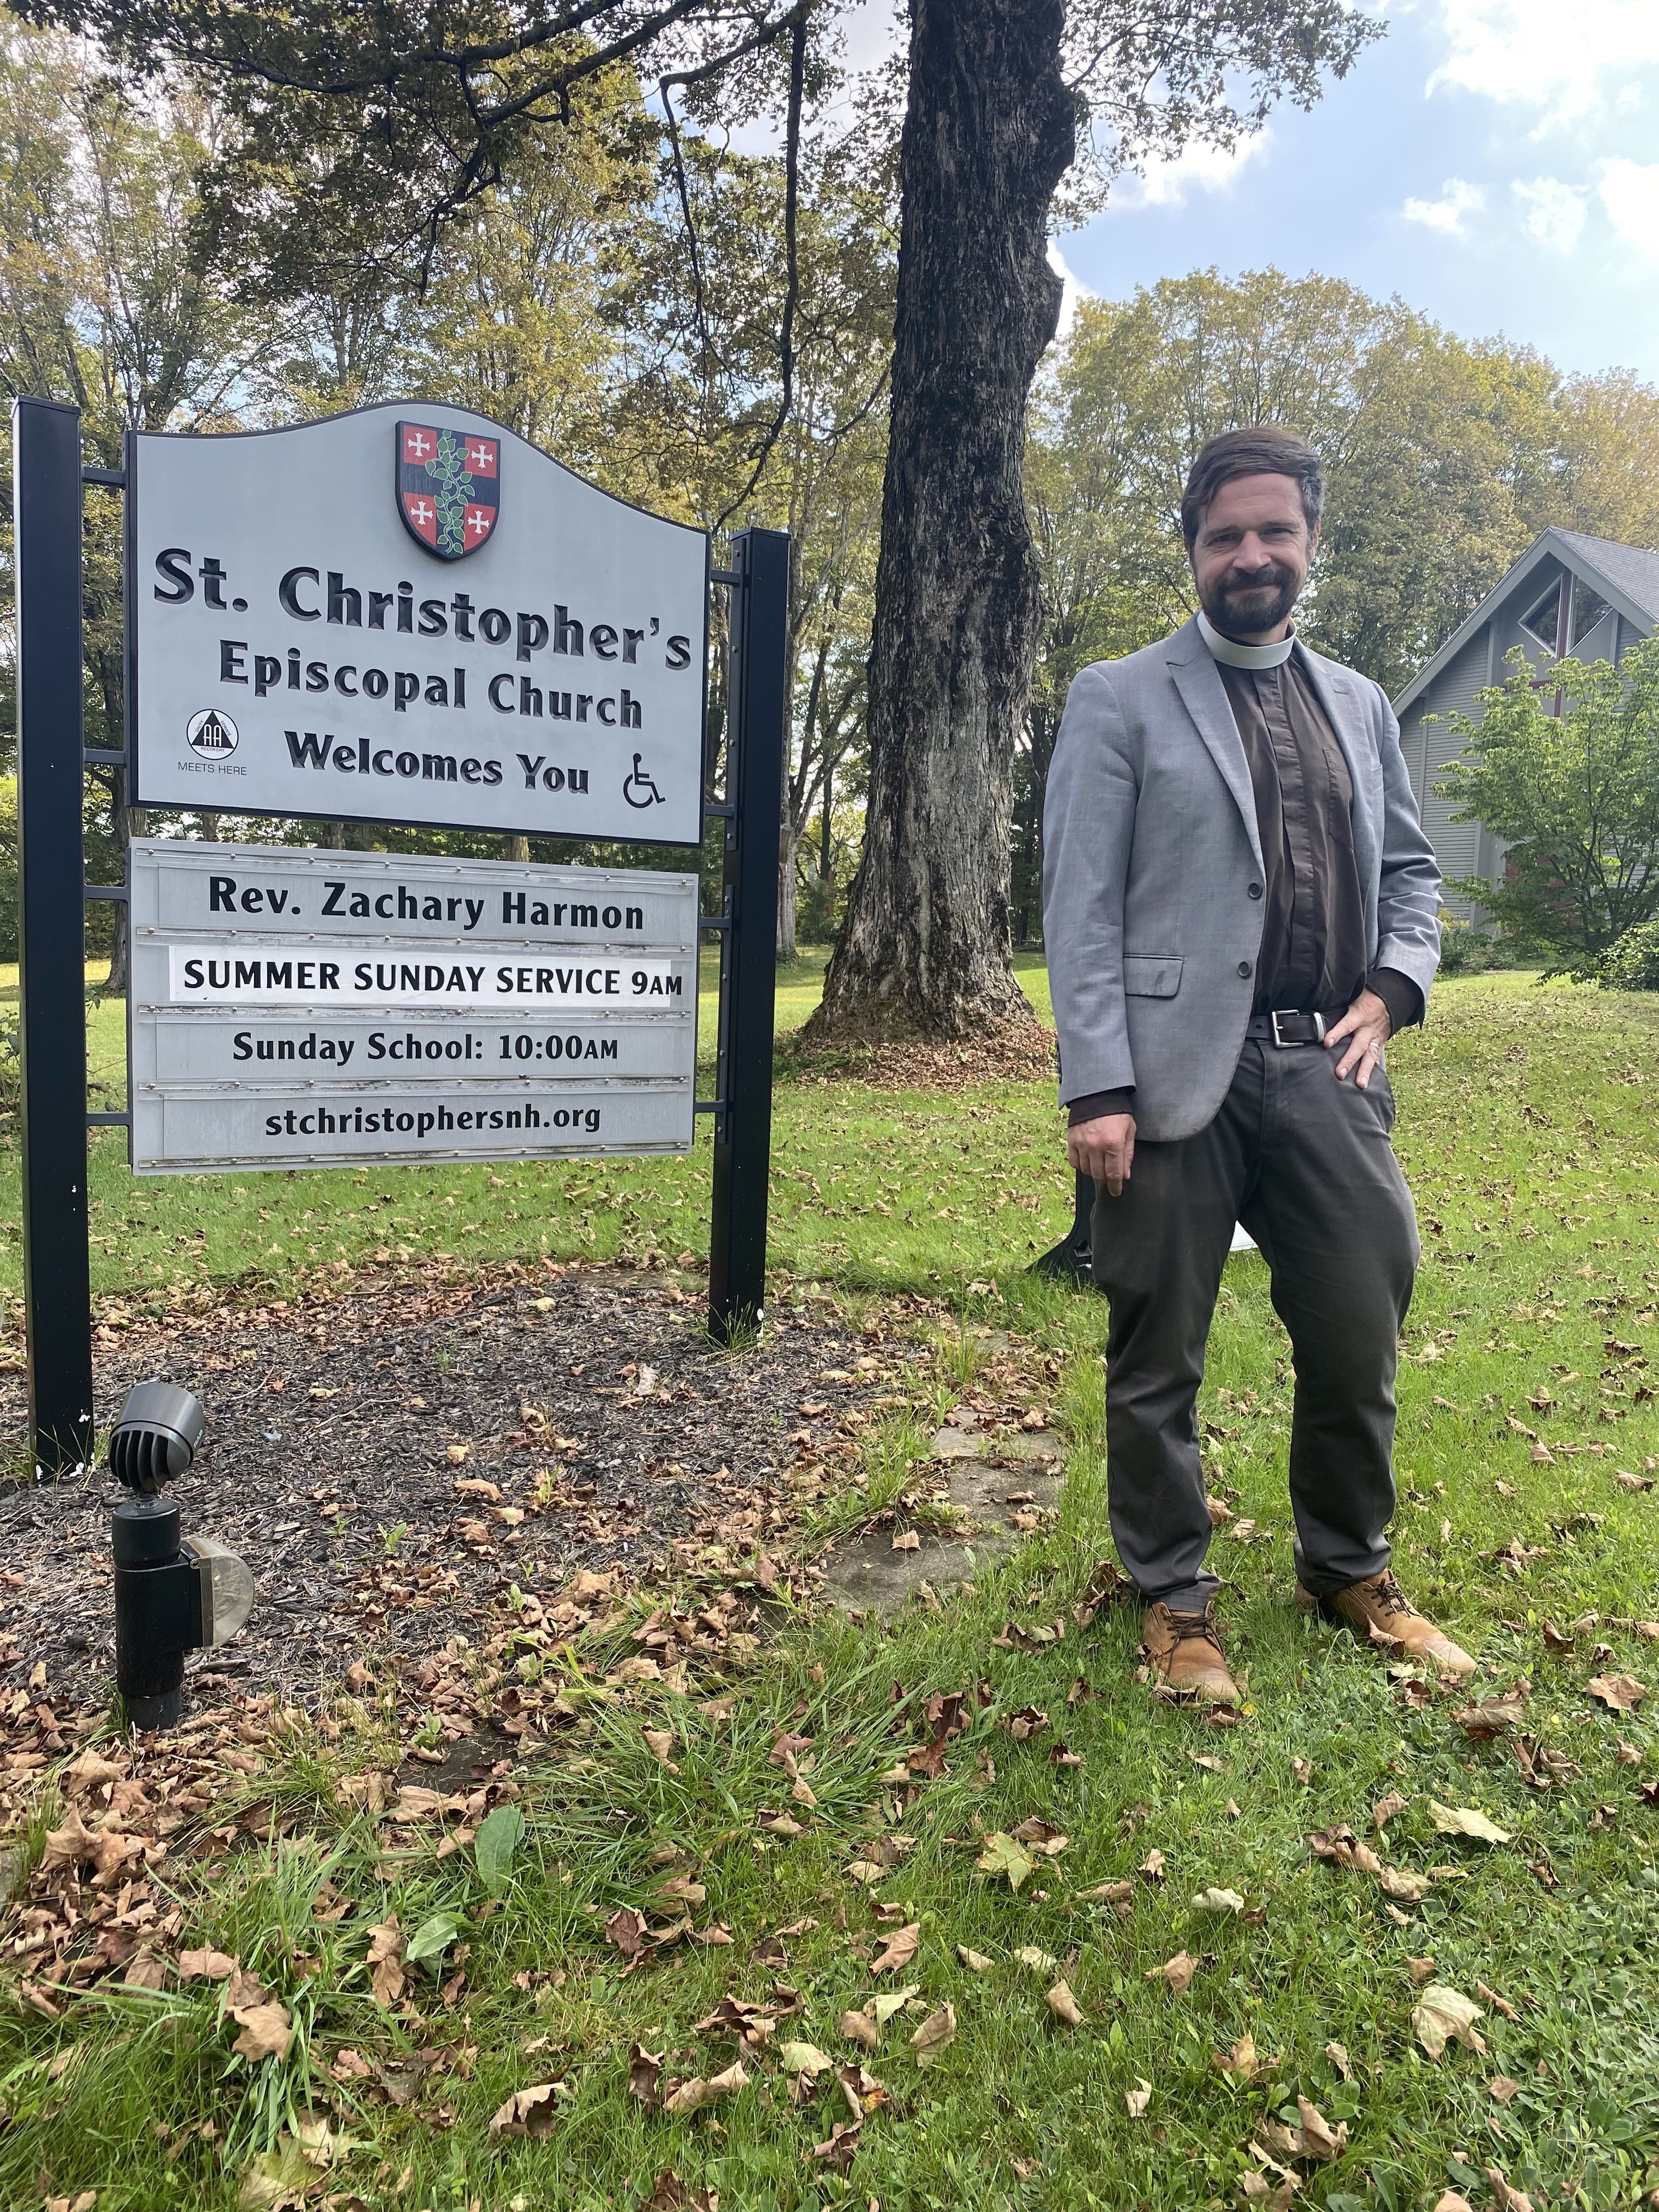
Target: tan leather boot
column 1183, row 1651
column 1380, row 1610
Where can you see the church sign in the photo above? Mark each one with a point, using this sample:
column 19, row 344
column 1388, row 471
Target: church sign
column 293, row 1008
column 418, row 617
column 407, row 615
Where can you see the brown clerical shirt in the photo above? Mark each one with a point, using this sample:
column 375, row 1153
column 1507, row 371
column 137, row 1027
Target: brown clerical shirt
column 1313, row 929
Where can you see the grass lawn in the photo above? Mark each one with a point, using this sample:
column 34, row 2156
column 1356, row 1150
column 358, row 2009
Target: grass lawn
column 1527, row 1433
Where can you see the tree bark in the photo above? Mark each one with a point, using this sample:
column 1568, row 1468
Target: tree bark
column 788, row 846
column 925, row 949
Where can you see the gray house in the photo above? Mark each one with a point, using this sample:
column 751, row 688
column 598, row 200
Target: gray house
column 1587, row 596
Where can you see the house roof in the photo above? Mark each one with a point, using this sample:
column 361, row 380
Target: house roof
column 1627, row 577
column 1633, row 568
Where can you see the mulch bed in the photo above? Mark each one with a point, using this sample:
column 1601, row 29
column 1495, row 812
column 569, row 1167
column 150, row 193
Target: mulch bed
column 1025, row 1054
column 393, row 1460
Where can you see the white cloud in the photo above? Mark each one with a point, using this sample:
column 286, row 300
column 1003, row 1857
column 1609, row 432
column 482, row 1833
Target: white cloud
column 1630, row 193
column 1076, row 290
column 1195, row 168
column 1554, row 211
column 1458, row 198
column 1569, row 66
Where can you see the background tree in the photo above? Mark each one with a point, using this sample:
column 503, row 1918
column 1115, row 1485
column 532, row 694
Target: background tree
column 117, row 293
column 1575, row 796
column 413, row 99
column 1443, row 456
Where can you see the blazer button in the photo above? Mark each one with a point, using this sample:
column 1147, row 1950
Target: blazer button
column 1244, row 967
column 1255, row 890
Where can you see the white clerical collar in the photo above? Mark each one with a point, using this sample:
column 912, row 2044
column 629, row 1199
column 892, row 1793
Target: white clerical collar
column 1235, row 655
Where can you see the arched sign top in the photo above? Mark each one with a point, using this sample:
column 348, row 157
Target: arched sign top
column 410, row 613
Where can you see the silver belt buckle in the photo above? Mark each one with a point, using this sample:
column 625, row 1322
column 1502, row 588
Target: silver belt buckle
column 1293, row 1014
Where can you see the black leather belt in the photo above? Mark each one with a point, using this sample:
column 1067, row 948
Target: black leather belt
column 1283, row 1028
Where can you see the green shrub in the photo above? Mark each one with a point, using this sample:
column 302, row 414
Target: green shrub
column 1633, row 962
column 1464, row 950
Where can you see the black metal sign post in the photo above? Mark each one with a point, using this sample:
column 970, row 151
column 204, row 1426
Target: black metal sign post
column 51, row 936
column 749, row 932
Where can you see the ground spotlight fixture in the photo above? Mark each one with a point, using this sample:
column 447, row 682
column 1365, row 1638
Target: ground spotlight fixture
column 173, row 1594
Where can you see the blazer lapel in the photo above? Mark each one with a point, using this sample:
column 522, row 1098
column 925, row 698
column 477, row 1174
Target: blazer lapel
column 1204, row 697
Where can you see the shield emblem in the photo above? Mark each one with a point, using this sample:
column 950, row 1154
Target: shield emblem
column 449, row 488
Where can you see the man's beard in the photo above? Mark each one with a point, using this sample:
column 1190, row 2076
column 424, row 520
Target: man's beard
column 1241, row 611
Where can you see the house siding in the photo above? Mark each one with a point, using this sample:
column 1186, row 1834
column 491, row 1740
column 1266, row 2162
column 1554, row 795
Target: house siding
column 1428, row 745
column 1468, row 848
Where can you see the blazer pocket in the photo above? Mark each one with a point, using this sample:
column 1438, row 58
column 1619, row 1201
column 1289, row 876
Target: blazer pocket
column 1151, row 975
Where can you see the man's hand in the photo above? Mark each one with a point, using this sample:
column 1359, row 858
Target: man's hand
column 1104, row 1148
column 1362, row 1033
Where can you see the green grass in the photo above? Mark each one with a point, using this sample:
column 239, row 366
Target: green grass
column 1526, row 1126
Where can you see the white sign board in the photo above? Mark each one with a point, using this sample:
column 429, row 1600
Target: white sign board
column 410, row 614
column 293, row 1008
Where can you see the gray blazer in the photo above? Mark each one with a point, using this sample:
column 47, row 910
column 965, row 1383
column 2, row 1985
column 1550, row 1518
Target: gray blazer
column 1150, row 849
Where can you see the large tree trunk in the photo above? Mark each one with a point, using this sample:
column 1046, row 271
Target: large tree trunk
column 990, row 130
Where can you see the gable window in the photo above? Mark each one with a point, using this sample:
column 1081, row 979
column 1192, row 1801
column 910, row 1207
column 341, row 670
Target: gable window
column 1588, row 609
column 1542, row 621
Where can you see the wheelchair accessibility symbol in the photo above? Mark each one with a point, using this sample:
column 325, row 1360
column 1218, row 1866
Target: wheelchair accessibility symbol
column 639, row 790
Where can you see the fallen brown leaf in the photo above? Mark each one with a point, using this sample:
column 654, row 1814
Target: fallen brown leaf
column 670, row 2194
column 1064, row 2005
column 626, row 1929
column 1177, row 1972
column 385, row 1951
column 529, row 2111
column 644, row 2074
column 1442, row 2015
column 1319, row 2139
column 838, row 2148
column 1038, row 1835
column 1242, row 2059
column 899, row 1949
column 688, row 2097
column 206, row 1964
column 1493, row 1717
column 935, row 2035
column 1621, row 1693
column 266, row 2031
column 1510, row 2199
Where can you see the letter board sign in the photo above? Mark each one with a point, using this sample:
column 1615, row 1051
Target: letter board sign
column 411, row 614
column 297, row 1008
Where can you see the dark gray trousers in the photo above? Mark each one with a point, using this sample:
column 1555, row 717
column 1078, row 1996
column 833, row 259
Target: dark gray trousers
column 1305, row 1163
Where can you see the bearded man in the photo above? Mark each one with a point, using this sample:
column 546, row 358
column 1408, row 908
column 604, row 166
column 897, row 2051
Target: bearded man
column 1239, row 909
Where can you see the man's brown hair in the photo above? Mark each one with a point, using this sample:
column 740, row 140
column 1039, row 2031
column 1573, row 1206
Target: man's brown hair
column 1261, row 450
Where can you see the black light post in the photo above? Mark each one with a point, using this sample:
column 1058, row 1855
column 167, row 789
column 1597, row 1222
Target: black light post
column 173, row 1594
column 1071, row 1259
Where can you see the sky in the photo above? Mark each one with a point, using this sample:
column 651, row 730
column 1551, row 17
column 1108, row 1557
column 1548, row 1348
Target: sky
column 1491, row 161
column 1494, row 162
